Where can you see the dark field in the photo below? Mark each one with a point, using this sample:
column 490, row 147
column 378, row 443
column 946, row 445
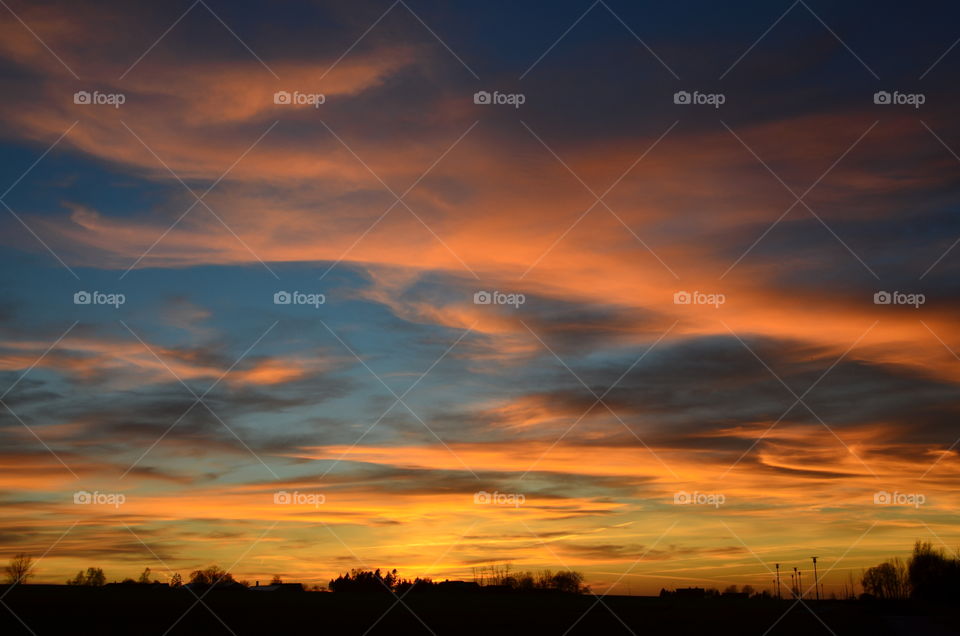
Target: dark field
column 60, row 610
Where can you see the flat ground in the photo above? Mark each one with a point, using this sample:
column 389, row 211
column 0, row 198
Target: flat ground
column 61, row 610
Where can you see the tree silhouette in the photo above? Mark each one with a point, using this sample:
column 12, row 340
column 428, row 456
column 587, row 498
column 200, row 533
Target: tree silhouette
column 211, row 576
column 887, row 581
column 933, row 575
column 929, row 575
column 568, row 581
column 365, row 581
column 93, row 577
column 18, row 569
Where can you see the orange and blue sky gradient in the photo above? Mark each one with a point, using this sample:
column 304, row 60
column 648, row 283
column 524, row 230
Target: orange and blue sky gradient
column 719, row 245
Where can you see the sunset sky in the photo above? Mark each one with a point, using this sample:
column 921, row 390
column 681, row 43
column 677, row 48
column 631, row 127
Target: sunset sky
column 786, row 405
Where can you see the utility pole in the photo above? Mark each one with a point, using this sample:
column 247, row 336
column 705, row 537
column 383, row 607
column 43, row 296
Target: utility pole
column 778, row 581
column 815, row 580
column 800, row 583
column 793, row 584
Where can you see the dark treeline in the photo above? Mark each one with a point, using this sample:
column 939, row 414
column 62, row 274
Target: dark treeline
column 493, row 578
column 20, row 569
column 929, row 574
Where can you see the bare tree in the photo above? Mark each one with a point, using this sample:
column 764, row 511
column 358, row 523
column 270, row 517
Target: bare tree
column 212, row 575
column 94, row 577
column 568, row 581
column 889, row 580
column 18, row 570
